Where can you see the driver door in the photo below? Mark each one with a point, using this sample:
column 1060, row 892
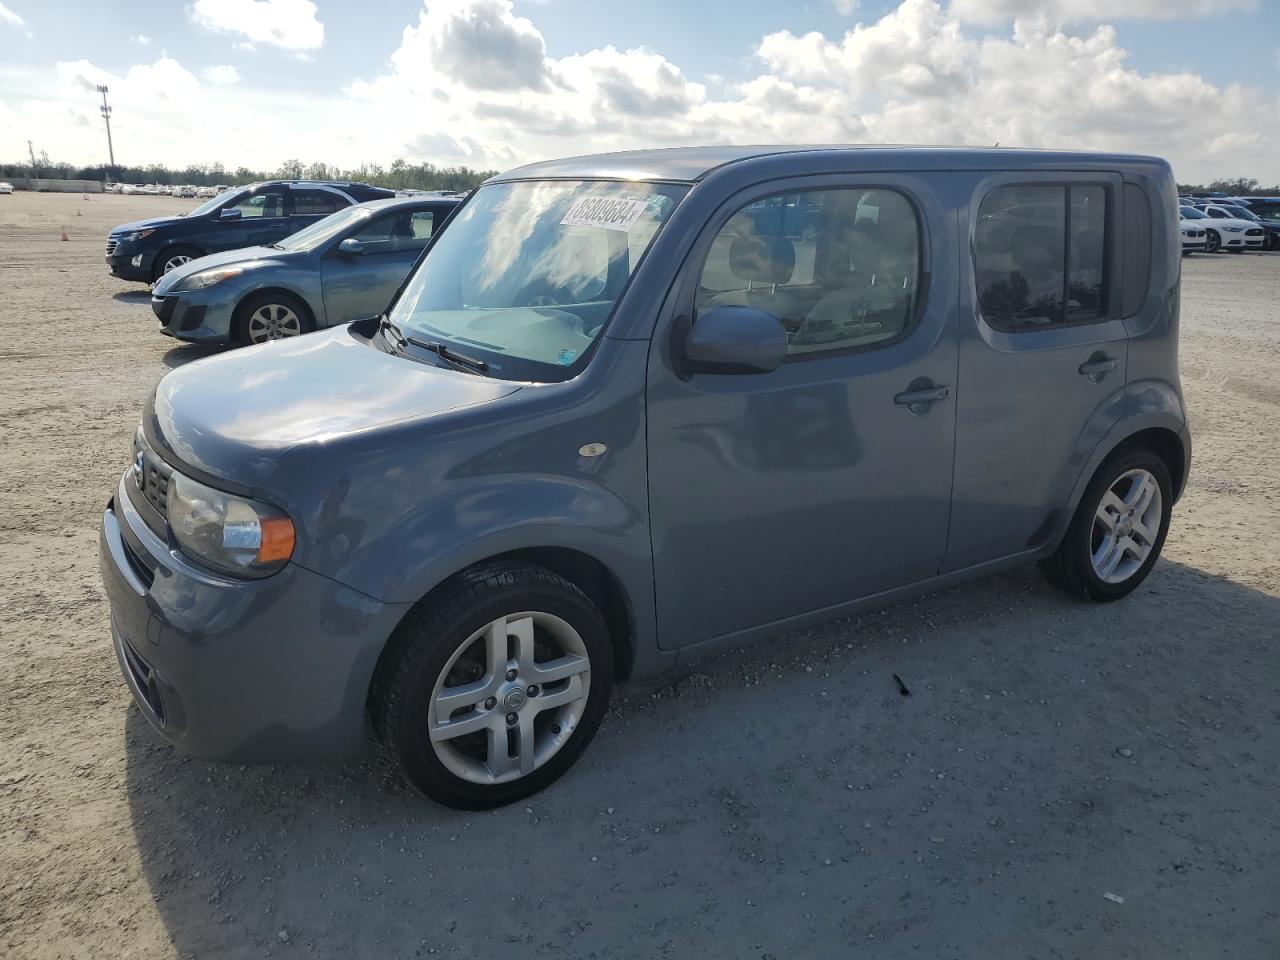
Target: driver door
column 361, row 285
column 261, row 220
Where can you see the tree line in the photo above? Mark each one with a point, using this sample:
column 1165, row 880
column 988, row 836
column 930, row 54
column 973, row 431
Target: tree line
column 399, row 175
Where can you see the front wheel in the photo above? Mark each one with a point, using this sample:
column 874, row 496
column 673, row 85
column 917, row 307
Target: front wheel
column 493, row 689
column 171, row 259
column 1212, row 241
column 271, row 316
column 1118, row 529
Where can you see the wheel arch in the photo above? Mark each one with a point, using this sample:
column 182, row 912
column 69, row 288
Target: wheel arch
column 1159, row 425
column 238, row 314
column 589, row 574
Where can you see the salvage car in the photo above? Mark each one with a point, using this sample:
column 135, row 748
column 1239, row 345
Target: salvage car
column 342, row 268
column 243, row 217
column 615, row 421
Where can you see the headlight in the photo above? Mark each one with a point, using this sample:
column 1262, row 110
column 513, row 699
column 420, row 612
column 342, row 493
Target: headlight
column 207, row 278
column 136, row 235
column 231, row 534
column 1233, row 229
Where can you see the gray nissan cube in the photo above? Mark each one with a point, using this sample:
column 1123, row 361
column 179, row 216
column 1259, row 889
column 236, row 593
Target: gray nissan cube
column 630, row 410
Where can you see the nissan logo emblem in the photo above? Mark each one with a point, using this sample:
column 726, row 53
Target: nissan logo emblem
column 139, row 464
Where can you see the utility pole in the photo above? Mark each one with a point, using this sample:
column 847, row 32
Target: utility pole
column 35, row 171
column 106, row 115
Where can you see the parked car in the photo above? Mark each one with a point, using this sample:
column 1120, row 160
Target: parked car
column 1220, row 234
column 608, row 426
column 1266, row 208
column 258, row 214
column 6, row 187
column 1242, row 211
column 342, row 268
column 1245, row 227
column 1194, row 238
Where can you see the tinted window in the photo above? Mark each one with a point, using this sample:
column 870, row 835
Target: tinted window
column 1041, row 255
column 396, row 232
column 1137, row 249
column 839, row 268
column 311, row 203
column 265, row 204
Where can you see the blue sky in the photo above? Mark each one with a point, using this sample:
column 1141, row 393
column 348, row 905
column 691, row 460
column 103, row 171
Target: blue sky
column 496, row 82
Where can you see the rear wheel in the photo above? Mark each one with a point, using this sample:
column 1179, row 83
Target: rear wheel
column 271, row 316
column 1118, row 529
column 493, row 690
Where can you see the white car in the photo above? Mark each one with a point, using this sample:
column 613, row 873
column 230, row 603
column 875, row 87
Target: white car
column 6, row 187
column 1194, row 237
column 1225, row 232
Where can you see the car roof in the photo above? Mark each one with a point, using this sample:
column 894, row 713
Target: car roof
column 690, row 164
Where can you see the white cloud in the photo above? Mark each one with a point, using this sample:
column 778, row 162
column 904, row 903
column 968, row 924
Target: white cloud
column 222, row 73
column 1076, row 11
column 476, row 69
column 291, row 24
column 845, row 7
column 141, row 40
column 8, row 16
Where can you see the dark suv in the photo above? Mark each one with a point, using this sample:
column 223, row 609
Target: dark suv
column 257, row 214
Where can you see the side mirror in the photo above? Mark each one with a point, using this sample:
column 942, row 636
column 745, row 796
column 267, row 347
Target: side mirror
column 351, row 247
column 736, row 340
column 229, row 213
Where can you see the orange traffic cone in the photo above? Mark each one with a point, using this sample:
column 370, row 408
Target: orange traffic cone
column 64, row 234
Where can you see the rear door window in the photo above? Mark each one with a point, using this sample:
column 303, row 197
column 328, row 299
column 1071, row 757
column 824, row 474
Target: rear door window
column 313, row 203
column 1041, row 255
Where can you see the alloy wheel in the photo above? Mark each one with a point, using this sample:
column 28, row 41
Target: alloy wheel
column 273, row 321
column 509, row 698
column 1126, row 526
column 176, row 261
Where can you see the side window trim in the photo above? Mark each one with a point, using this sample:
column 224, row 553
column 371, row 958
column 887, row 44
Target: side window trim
column 763, row 193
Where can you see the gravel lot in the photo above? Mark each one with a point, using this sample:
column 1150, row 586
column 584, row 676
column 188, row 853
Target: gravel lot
column 783, row 803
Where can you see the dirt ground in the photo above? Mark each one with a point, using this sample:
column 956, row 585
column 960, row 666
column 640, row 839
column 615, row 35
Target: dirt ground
column 783, row 803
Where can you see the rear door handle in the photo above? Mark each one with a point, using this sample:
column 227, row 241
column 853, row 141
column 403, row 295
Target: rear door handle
column 919, row 400
column 1098, row 366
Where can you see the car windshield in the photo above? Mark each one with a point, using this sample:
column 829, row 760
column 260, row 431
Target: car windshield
column 1191, row 213
column 1239, row 212
column 529, row 272
column 311, row 237
column 211, row 205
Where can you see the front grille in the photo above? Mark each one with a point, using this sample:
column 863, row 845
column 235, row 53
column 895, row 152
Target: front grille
column 112, row 243
column 151, row 476
column 1254, row 232
column 144, row 679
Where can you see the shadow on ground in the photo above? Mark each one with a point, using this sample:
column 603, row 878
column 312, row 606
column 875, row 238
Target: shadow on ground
column 133, row 296
column 788, row 802
column 184, row 353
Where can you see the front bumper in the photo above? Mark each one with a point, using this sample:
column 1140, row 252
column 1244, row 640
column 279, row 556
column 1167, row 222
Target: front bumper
column 248, row 671
column 121, row 264
column 200, row 316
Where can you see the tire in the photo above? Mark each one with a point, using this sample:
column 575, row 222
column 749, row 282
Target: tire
column 1212, row 241
column 1073, row 566
column 271, row 315
column 171, row 258
column 474, row 633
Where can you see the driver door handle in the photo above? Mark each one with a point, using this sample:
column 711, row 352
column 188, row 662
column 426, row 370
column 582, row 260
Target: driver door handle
column 920, row 400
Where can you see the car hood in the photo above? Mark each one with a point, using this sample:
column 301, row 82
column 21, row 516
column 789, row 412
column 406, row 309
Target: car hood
column 153, row 223
column 232, row 416
column 256, row 256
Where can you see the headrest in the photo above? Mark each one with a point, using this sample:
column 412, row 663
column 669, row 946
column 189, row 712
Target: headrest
column 762, row 259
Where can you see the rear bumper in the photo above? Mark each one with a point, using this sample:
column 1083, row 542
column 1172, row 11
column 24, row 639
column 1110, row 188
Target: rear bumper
column 249, row 671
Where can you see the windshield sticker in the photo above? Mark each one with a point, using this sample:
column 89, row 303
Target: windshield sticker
column 567, row 357
column 608, row 213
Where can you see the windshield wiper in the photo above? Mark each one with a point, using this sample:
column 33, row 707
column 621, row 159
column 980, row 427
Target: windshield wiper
column 459, row 360
column 273, row 246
